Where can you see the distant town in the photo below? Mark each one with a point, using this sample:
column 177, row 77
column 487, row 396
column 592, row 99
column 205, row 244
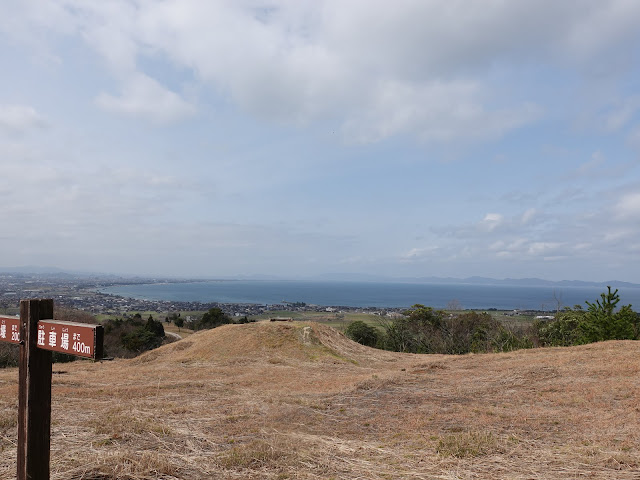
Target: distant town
column 83, row 293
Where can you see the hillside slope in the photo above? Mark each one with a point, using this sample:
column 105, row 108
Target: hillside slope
column 289, row 342
column 301, row 401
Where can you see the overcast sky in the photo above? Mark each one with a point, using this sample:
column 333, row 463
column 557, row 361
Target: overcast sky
column 293, row 138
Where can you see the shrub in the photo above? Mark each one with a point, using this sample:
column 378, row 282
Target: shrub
column 599, row 322
column 9, row 355
column 360, row 332
column 563, row 331
column 212, row 319
column 424, row 330
column 132, row 336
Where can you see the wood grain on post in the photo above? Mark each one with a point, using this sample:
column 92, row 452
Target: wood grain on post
column 34, row 400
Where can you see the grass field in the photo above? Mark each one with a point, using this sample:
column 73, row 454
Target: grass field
column 298, row 400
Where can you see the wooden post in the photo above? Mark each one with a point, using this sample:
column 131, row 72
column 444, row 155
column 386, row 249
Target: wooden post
column 34, row 398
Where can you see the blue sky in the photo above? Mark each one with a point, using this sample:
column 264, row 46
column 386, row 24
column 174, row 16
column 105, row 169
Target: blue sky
column 292, row 138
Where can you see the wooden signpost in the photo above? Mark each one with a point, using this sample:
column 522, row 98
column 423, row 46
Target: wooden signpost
column 38, row 335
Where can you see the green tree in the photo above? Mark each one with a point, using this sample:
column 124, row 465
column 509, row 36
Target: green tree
column 563, row 331
column 424, row 330
column 603, row 323
column 140, row 340
column 360, row 332
column 131, row 336
column 598, row 323
column 178, row 322
column 628, row 323
column 154, row 327
column 212, row 319
column 399, row 336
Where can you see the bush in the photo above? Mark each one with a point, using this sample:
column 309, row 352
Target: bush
column 360, row 332
column 563, row 331
column 424, row 330
column 212, row 319
column 129, row 337
column 9, row 355
column 154, row 327
column 599, row 322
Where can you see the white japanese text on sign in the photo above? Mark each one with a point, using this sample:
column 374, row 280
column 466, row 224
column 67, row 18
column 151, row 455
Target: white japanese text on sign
column 68, row 337
column 10, row 329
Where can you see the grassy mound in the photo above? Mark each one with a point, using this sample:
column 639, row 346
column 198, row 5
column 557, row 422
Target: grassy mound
column 284, row 343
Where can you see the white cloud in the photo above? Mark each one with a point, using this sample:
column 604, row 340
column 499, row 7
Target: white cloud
column 597, row 27
column 528, row 215
column 444, row 72
column 144, row 97
column 418, row 253
column 20, row 118
column 628, row 207
column 491, row 221
column 544, row 249
column 380, row 68
column 621, row 113
column 440, row 111
column 591, row 167
column 633, row 138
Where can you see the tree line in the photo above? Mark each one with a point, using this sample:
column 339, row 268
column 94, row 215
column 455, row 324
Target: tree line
column 424, row 330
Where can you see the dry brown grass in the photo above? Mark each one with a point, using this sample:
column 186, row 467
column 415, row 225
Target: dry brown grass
column 300, row 401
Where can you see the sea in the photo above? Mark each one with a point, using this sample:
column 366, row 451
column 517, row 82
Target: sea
column 372, row 294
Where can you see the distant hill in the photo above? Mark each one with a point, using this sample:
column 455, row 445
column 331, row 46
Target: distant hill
column 331, row 277
column 33, row 269
column 529, row 282
column 475, row 280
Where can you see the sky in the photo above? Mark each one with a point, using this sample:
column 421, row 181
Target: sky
column 297, row 138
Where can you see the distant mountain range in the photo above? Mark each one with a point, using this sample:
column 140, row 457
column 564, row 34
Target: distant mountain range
column 54, row 272
column 343, row 277
column 529, row 282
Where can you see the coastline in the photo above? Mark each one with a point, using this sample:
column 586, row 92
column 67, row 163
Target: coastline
column 369, row 295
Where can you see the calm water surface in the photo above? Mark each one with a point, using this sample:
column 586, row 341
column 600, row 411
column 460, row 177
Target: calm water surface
column 367, row 294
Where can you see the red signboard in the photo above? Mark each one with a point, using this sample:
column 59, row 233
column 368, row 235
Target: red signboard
column 10, row 329
column 34, row 375
column 80, row 339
